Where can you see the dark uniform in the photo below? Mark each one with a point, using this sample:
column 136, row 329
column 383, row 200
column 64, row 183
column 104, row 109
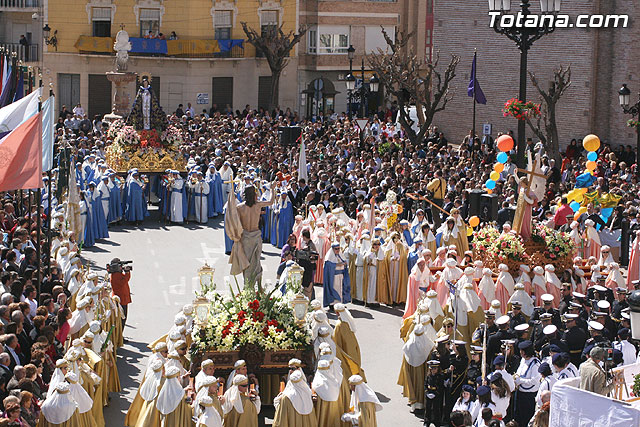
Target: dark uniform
column 433, row 395
column 516, row 319
column 563, row 306
column 494, row 343
column 555, row 315
column 617, row 308
column 478, row 334
column 575, row 339
column 459, row 364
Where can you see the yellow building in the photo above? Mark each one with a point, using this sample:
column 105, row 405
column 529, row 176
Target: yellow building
column 208, row 63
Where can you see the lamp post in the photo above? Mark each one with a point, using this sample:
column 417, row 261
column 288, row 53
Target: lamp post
column 524, row 36
column 351, row 81
column 53, row 40
column 624, row 95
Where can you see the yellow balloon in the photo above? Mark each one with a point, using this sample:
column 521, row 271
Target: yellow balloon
column 494, row 176
column 588, row 171
column 469, row 231
column 579, row 198
column 498, row 167
column 583, row 191
column 474, row 221
column 591, row 142
column 582, row 209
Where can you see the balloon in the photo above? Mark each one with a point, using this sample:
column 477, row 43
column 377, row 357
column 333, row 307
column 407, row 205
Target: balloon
column 583, row 191
column 489, row 191
column 474, row 221
column 591, row 165
column 490, row 184
column 494, row 176
column 577, row 215
column 505, row 143
column 592, row 155
column 469, row 231
column 579, row 198
column 498, row 167
column 582, row 209
column 591, row 143
column 575, row 206
column 502, row 157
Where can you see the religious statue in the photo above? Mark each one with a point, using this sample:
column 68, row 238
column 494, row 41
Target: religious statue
column 122, row 48
column 531, row 190
column 242, row 226
column 146, row 112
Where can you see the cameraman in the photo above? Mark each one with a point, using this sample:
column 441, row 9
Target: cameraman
column 120, row 276
column 305, row 261
column 592, row 377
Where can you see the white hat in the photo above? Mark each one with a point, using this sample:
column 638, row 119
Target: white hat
column 503, row 320
column 595, row 325
column 549, row 267
column 603, row 304
column 538, row 270
column 239, row 363
column 550, row 329
column 521, row 327
column 525, row 267
column 546, row 297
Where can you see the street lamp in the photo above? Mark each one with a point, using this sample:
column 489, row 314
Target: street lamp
column 350, row 81
column 624, row 96
column 351, row 52
column 53, row 40
column 201, row 306
column 524, row 37
column 374, row 82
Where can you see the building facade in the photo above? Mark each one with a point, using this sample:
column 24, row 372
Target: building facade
column 600, row 59
column 333, row 26
column 21, row 29
column 208, row 63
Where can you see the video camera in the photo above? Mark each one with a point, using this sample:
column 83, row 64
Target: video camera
column 305, row 255
column 117, row 266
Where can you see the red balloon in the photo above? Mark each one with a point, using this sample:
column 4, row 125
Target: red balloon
column 505, row 143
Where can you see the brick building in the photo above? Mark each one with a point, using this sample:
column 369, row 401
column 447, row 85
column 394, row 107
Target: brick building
column 601, row 60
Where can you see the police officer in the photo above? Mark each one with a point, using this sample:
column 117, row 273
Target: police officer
column 597, row 338
column 522, row 332
column 620, row 303
column 516, row 316
column 433, row 394
column 603, row 316
column 547, row 300
column 475, row 365
column 538, row 337
column 574, row 337
column 494, row 343
column 456, row 376
column 478, row 335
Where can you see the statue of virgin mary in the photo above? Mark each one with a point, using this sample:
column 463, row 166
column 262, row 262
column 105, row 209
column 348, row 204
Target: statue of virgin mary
column 146, row 112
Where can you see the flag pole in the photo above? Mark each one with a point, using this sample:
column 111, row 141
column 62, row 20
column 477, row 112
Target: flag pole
column 49, row 213
column 475, row 71
column 39, row 204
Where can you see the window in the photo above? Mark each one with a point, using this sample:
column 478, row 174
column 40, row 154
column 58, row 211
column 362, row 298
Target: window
column 332, row 39
column 149, row 22
column 312, row 41
column 101, row 20
column 223, row 24
column 428, row 37
column 268, row 21
column 429, row 6
column 222, row 93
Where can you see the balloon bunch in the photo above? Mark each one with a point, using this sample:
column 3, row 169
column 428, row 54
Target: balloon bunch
column 505, row 143
column 474, row 221
column 575, row 197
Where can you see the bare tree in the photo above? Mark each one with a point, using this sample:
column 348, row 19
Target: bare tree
column 275, row 46
column 545, row 126
column 412, row 81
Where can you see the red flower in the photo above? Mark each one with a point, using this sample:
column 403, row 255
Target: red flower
column 254, row 305
column 258, row 316
column 241, row 314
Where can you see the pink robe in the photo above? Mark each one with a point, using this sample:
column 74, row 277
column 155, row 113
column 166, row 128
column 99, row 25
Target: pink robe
column 502, row 293
column 413, row 293
column 525, row 228
column 539, row 288
column 322, row 249
column 634, row 263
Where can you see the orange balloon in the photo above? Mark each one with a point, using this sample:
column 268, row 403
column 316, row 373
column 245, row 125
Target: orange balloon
column 591, row 165
column 498, row 167
column 489, row 191
column 505, row 143
column 474, row 221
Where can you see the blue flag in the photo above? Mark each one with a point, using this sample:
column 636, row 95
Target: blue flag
column 474, row 85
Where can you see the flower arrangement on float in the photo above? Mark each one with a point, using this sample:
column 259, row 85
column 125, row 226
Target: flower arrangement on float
column 248, row 317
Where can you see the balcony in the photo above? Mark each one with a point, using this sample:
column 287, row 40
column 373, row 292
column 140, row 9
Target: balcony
column 165, row 48
column 25, row 54
column 19, row 5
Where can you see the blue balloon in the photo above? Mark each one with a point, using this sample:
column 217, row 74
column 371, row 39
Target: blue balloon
column 574, row 205
column 490, row 184
column 592, row 156
column 502, row 157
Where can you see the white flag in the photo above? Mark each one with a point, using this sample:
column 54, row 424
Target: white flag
column 302, row 162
